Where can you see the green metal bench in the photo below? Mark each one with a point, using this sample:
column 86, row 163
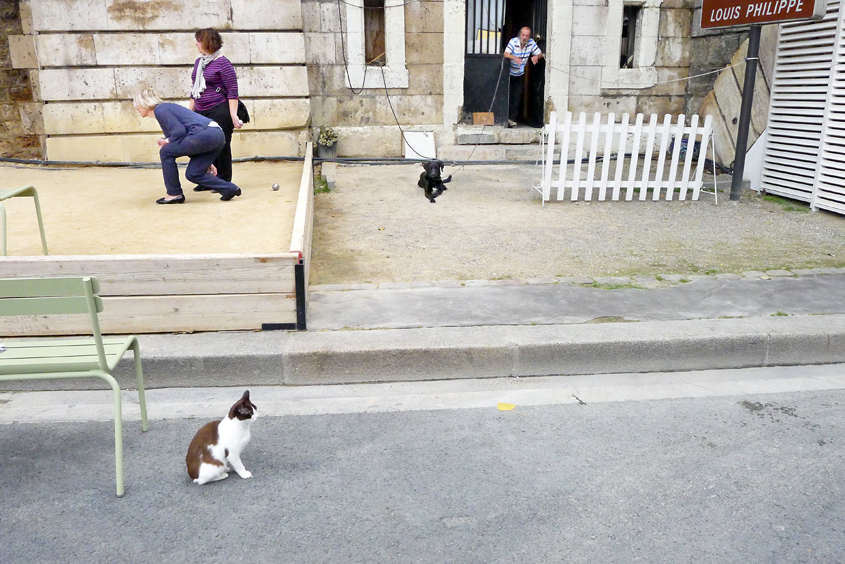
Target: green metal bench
column 94, row 357
column 20, row 192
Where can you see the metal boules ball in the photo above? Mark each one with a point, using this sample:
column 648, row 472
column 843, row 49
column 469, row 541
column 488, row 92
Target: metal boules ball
column 275, row 187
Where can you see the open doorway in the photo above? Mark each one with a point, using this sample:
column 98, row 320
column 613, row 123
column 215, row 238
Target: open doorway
column 490, row 24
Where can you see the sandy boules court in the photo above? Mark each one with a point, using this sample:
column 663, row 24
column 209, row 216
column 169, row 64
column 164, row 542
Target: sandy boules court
column 110, row 211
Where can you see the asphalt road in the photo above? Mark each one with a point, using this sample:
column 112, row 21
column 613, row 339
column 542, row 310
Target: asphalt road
column 743, row 478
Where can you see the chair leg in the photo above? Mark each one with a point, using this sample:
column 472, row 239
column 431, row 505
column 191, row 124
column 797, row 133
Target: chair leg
column 40, row 221
column 2, row 230
column 142, row 400
column 118, row 432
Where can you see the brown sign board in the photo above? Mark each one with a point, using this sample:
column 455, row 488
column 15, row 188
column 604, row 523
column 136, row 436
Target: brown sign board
column 730, row 13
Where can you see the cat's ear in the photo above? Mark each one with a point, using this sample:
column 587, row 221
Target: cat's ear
column 245, row 399
column 243, row 408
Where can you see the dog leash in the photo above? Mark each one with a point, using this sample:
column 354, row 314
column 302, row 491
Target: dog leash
column 492, row 102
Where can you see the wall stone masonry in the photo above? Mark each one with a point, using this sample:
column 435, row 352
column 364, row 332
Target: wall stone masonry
column 656, row 83
column 723, row 102
column 19, row 119
column 364, row 115
column 80, row 62
column 596, row 84
column 69, row 68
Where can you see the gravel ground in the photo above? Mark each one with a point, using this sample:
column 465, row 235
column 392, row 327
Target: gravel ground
column 376, row 226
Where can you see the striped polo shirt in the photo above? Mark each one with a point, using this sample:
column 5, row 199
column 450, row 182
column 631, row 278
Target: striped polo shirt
column 514, row 48
column 221, row 83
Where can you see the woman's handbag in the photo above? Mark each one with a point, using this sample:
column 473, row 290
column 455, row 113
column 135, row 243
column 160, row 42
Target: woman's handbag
column 243, row 115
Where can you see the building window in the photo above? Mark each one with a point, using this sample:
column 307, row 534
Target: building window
column 374, row 49
column 632, row 44
column 630, row 23
column 363, row 48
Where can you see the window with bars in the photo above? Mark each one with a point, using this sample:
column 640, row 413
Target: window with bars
column 484, row 20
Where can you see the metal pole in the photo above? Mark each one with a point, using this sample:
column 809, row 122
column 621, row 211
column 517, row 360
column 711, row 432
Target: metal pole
column 745, row 111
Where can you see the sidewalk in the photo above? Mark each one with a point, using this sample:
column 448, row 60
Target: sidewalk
column 484, row 329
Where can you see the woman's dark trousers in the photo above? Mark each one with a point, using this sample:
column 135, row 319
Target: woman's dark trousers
column 220, row 114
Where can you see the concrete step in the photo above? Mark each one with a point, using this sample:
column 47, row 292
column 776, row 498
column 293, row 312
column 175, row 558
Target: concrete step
column 496, row 135
column 493, row 143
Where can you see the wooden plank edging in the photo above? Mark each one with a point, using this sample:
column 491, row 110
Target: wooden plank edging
column 301, row 235
column 151, row 275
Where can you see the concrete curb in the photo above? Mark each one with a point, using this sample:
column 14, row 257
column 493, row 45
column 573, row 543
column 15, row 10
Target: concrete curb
column 393, row 355
column 664, row 280
column 503, row 351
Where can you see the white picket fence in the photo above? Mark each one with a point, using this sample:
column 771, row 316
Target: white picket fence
column 608, row 141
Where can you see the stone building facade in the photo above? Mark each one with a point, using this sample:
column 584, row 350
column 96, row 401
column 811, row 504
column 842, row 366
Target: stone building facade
column 20, row 127
column 304, row 63
column 350, row 96
column 87, row 58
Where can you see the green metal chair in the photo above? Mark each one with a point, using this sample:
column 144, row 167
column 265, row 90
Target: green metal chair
column 20, row 192
column 95, row 357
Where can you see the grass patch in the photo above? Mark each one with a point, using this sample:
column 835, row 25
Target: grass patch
column 613, row 286
column 321, row 186
column 609, row 319
column 787, row 205
column 780, row 314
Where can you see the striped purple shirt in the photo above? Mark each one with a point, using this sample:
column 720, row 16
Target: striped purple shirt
column 219, row 74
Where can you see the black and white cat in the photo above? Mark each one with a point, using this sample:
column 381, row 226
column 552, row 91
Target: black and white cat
column 220, row 443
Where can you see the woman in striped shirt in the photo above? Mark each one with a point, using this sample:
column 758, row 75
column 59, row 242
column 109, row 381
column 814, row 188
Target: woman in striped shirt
column 215, row 95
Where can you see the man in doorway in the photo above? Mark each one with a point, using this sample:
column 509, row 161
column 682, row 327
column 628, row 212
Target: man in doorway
column 519, row 50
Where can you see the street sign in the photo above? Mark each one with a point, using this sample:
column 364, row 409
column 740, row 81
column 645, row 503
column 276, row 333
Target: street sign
column 730, row 13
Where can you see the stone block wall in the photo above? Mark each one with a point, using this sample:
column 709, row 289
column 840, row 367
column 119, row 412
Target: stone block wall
column 72, row 66
column 87, row 59
column 724, row 100
column 709, row 53
column 357, row 105
column 662, row 57
column 20, row 124
column 671, row 54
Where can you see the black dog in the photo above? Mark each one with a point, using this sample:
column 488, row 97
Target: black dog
column 430, row 180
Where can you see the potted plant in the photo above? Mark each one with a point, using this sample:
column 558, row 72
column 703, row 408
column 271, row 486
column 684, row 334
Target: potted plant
column 327, row 143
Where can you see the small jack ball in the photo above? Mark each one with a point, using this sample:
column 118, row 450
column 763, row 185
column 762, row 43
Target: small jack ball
column 275, row 187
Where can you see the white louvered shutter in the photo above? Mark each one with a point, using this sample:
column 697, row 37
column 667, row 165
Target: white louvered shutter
column 801, row 87
column 830, row 181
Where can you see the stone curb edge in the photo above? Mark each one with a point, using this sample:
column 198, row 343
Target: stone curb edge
column 393, row 355
column 644, row 281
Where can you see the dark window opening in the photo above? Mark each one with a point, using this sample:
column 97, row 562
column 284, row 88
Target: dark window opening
column 374, row 50
column 630, row 20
